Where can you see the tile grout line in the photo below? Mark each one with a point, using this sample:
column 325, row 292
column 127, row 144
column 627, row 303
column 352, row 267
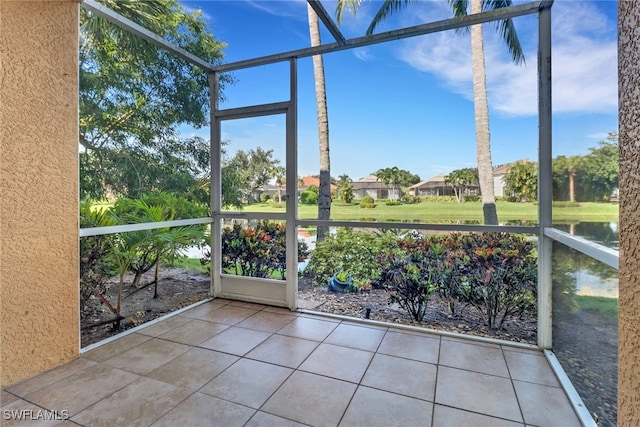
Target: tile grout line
column 435, row 385
column 359, row 383
column 513, row 386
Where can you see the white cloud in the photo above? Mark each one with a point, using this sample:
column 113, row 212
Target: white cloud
column 599, row 136
column 584, row 63
column 363, row 54
column 287, row 9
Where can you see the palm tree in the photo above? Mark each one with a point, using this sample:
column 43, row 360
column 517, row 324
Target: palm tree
column 324, row 195
column 279, row 173
column 481, row 108
column 390, row 176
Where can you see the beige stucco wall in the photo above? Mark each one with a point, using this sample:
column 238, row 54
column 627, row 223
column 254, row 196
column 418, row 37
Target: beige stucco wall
column 629, row 140
column 39, row 186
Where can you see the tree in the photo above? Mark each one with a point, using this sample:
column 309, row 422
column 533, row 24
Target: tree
column 256, row 168
column 389, row 176
column 324, row 197
column 134, row 95
column 460, row 180
column 507, row 30
column 397, row 178
column 522, row 181
column 279, row 174
column 345, row 188
column 564, row 174
column 598, row 175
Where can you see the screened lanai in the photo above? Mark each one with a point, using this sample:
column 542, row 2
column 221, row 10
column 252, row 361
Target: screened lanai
column 235, row 293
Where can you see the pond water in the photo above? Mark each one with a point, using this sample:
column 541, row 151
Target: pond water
column 591, row 278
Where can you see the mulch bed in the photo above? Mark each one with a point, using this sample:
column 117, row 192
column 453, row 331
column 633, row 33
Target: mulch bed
column 179, row 288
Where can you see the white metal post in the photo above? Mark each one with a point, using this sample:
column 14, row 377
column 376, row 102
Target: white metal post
column 545, row 178
column 215, row 187
column 292, row 189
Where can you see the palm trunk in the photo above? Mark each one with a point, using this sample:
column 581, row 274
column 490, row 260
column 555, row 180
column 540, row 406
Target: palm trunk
column 572, row 193
column 481, row 108
column 324, row 196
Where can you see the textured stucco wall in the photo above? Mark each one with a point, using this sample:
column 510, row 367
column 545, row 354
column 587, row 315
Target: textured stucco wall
column 629, row 140
column 39, row 186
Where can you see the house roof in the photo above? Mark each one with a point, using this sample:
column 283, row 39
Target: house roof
column 501, row 170
column 307, row 181
column 369, row 178
column 434, row 181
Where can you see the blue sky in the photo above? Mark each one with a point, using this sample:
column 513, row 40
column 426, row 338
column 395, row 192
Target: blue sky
column 409, row 103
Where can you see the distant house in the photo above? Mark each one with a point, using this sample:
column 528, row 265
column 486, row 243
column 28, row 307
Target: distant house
column 307, row 181
column 267, row 189
column 434, row 186
column 499, row 184
column 371, row 186
column 271, row 190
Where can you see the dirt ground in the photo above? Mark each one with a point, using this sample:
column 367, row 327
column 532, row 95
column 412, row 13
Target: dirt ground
column 176, row 289
column 179, row 288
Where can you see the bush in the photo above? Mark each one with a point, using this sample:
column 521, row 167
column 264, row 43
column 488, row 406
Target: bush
column 177, row 207
column 409, row 199
column 392, row 202
column 309, row 197
column 410, row 282
column 500, row 277
column 95, row 266
column 353, row 252
column 258, row 251
column 264, row 198
column 494, row 272
column 367, row 202
column 367, row 199
column 439, row 199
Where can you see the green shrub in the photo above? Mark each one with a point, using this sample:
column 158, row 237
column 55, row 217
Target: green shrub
column 177, row 207
column 95, row 266
column 367, row 202
column 439, row 198
column 264, row 198
column 410, row 283
column 367, row 199
column 494, row 272
column 309, row 197
column 392, row 202
column 258, row 251
column 353, row 252
column 409, row 199
column 500, row 277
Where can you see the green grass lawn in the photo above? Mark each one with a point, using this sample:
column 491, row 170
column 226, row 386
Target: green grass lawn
column 607, row 307
column 191, row 264
column 453, row 212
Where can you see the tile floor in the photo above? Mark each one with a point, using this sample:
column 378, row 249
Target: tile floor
column 229, row 363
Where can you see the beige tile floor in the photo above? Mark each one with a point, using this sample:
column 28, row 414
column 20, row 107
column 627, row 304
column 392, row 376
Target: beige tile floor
column 227, row 363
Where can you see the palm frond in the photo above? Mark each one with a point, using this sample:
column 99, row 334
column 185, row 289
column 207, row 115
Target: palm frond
column 507, row 30
column 351, row 5
column 459, row 8
column 505, row 27
column 388, row 8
